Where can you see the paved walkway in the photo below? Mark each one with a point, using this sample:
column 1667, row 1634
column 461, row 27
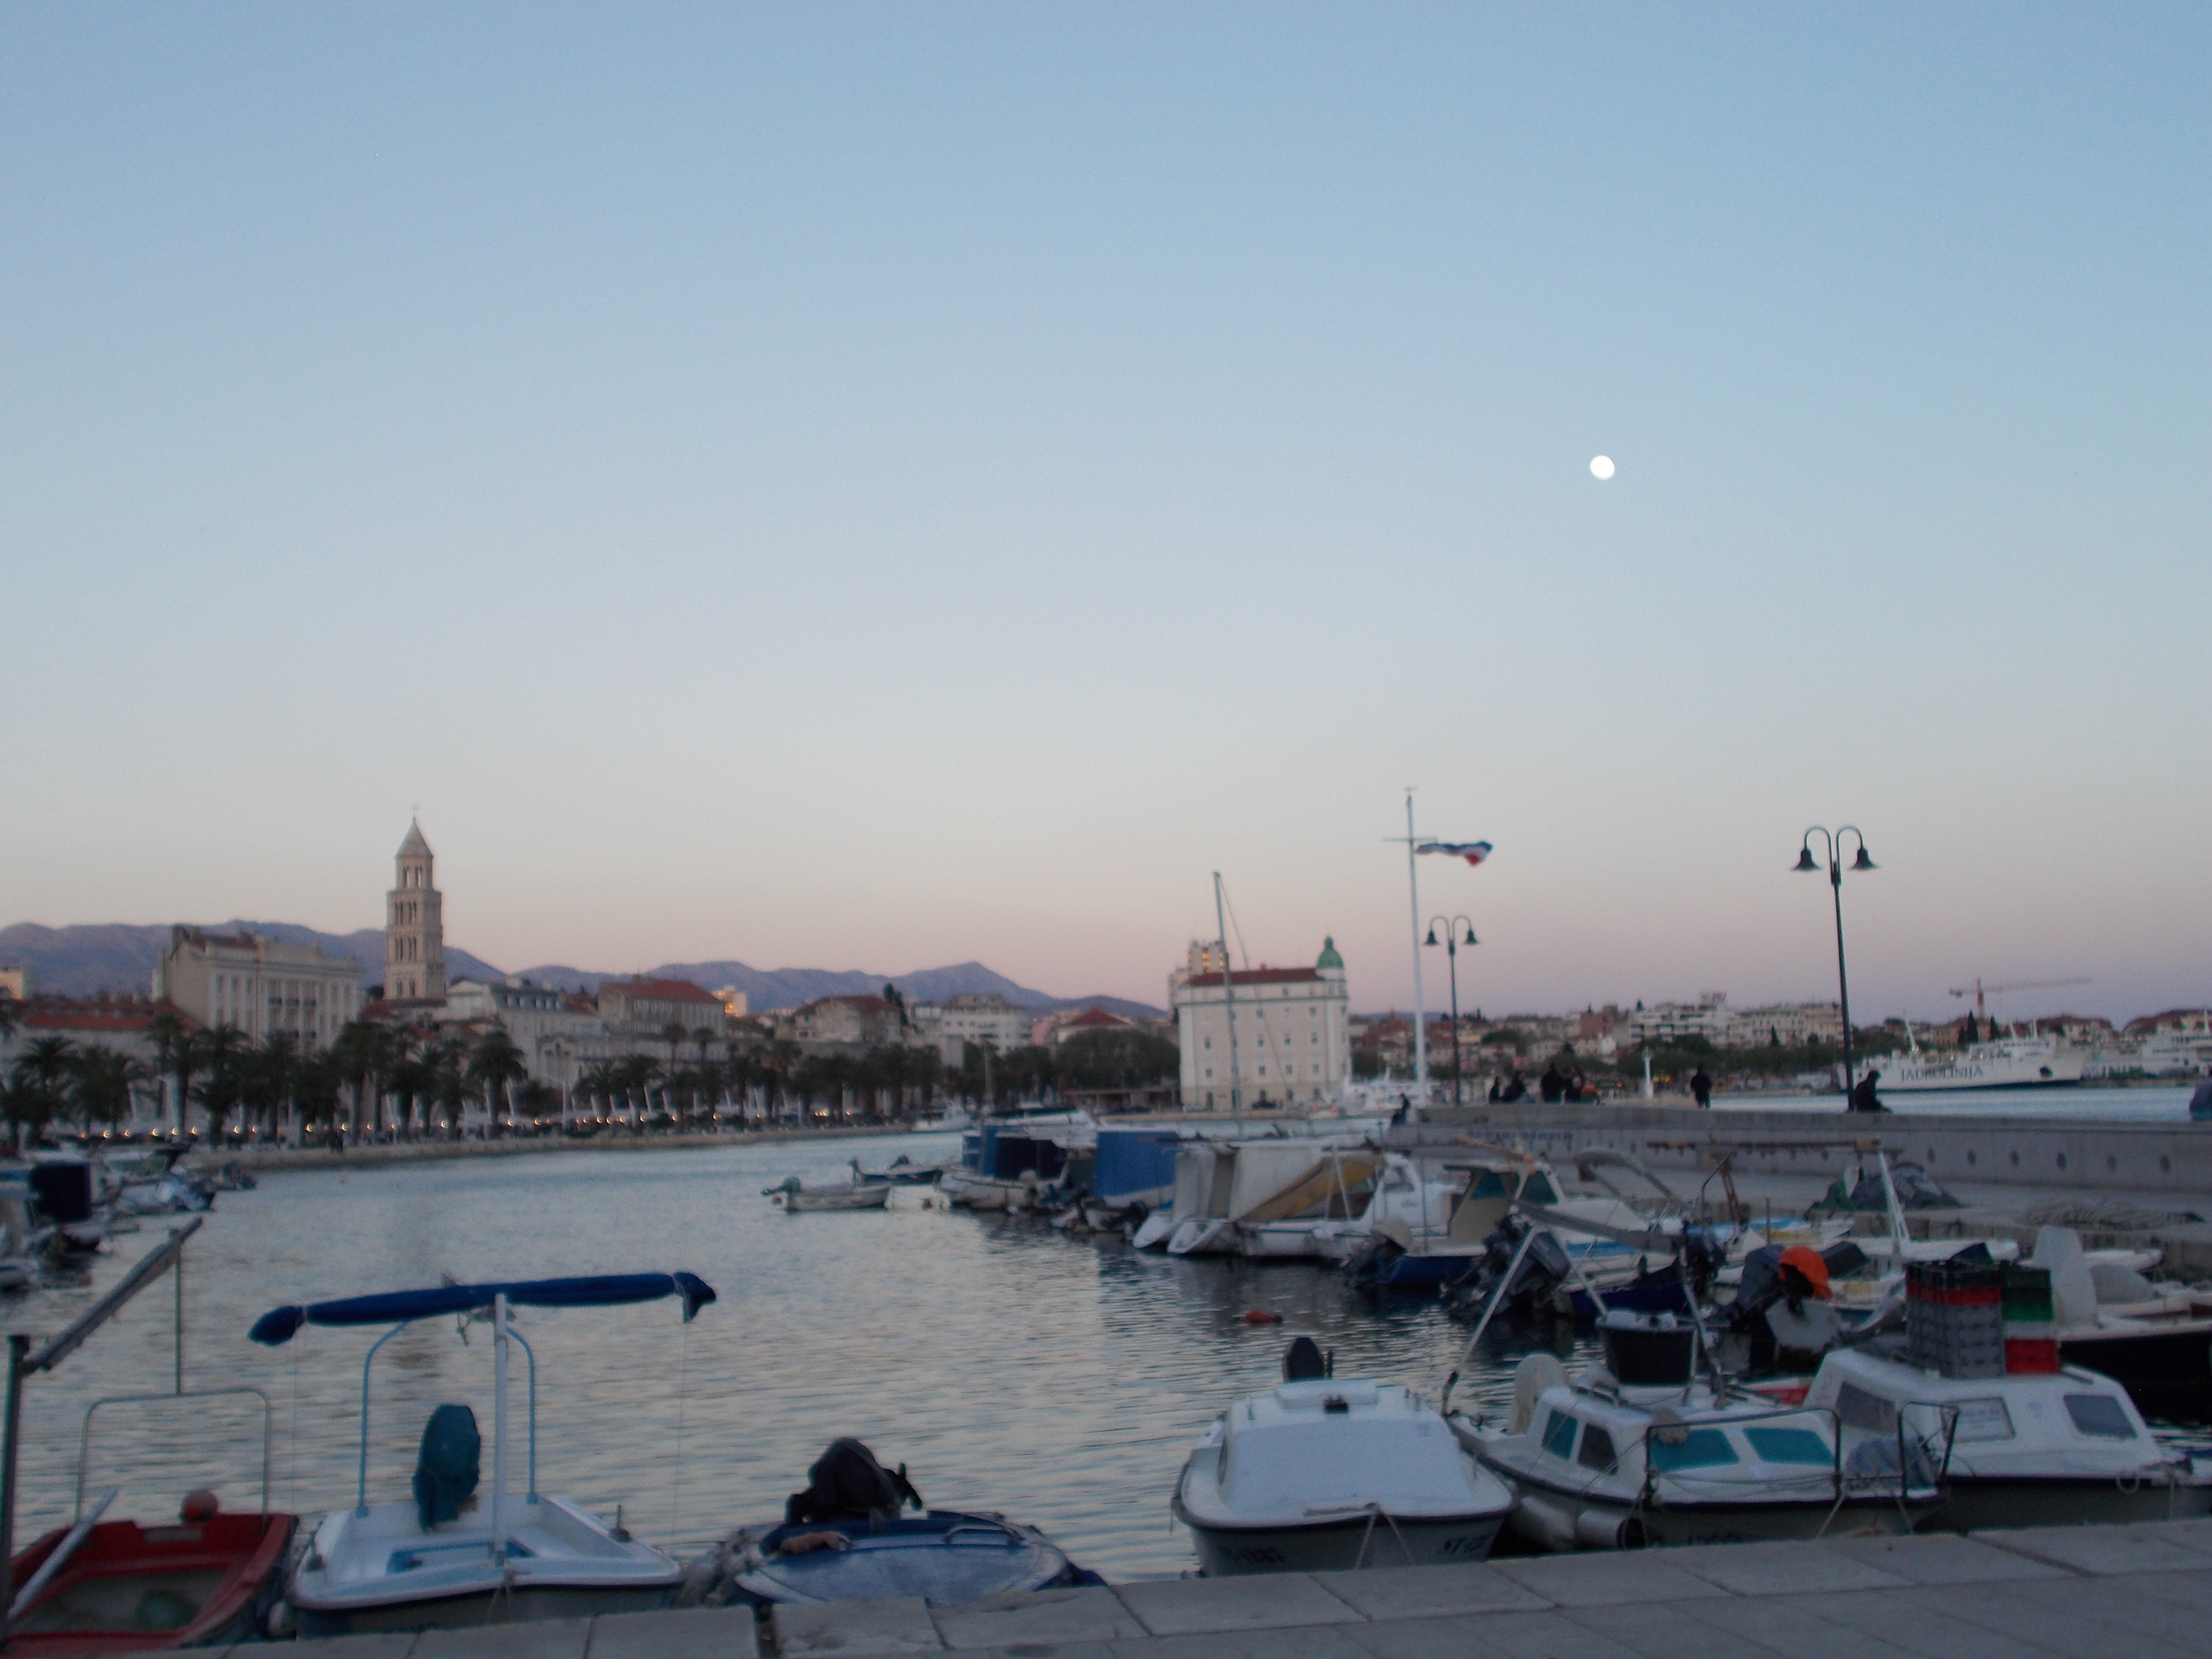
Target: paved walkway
column 2053, row 1593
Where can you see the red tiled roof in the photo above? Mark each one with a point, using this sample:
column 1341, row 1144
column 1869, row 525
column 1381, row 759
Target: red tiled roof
column 1260, row 976
column 863, row 1004
column 1095, row 1017
column 660, row 990
column 97, row 1013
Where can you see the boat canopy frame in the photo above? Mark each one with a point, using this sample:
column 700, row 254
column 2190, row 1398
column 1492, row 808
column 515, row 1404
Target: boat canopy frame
column 268, row 1432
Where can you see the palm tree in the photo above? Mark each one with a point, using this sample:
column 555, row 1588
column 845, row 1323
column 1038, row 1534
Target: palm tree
column 38, row 1086
column 106, row 1086
column 449, row 1080
column 364, row 1051
column 267, row 1076
column 318, row 1089
column 411, row 1078
column 169, row 1036
column 494, row 1063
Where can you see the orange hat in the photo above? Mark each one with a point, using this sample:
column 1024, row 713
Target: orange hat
column 1808, row 1261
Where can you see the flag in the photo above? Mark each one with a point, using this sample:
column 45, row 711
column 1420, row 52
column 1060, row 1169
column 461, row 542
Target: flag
column 1473, row 851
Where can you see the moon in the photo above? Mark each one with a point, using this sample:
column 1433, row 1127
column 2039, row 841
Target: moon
column 1601, row 467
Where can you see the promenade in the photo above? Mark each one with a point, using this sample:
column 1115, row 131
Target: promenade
column 2052, row 1592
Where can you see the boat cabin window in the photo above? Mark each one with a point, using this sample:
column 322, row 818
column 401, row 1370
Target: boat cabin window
column 2100, row 1414
column 1488, row 1184
column 1597, row 1449
column 1864, row 1410
column 1700, row 1449
column 1982, row 1419
column 1538, row 1190
column 1559, row 1435
column 1778, row 1445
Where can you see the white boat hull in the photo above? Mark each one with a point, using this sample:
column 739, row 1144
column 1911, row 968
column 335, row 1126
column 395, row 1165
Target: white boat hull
column 858, row 1197
column 1343, row 1545
column 2018, row 1065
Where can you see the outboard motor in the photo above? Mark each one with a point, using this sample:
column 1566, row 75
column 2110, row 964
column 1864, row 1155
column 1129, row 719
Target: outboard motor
column 446, row 1466
column 63, row 1192
column 1540, row 1272
column 847, row 1484
column 1304, row 1361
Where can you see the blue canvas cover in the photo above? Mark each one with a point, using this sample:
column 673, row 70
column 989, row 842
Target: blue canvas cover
column 280, row 1325
column 1134, row 1164
column 445, row 1468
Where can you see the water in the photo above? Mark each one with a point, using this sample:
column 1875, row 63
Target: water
column 1059, row 1380
column 2143, row 1103
column 1010, row 1367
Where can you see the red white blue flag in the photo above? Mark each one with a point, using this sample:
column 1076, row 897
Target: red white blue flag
column 1473, row 851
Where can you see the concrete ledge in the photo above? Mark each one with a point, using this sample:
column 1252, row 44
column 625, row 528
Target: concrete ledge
column 1090, row 1614
column 1260, row 1601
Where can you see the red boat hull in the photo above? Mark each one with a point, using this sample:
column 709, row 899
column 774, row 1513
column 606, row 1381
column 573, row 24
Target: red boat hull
column 130, row 1589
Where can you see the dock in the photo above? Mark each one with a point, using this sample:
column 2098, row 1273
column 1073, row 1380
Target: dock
column 2049, row 1592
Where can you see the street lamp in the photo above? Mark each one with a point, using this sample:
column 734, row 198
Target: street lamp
column 1451, row 944
column 1807, row 862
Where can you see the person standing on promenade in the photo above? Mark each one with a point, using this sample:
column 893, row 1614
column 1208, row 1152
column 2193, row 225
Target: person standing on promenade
column 1701, row 1089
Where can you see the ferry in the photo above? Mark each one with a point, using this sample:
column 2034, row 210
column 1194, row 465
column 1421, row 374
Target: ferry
column 2032, row 1061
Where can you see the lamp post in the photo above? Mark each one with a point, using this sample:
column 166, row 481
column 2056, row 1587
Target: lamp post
column 1451, row 944
column 1807, row 862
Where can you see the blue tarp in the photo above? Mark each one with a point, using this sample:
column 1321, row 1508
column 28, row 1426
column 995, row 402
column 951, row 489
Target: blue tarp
column 1134, row 1163
column 280, row 1325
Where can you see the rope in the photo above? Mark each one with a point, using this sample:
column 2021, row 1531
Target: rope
column 1376, row 1511
column 676, row 1473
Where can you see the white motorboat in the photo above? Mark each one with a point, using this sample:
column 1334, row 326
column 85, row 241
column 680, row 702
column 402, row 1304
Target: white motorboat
column 1266, row 1198
column 793, row 1196
column 1659, row 1456
column 1322, row 1474
column 2059, row 1449
column 449, row 1557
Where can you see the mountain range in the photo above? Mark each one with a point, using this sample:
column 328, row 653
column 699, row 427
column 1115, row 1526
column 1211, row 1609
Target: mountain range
column 80, row 960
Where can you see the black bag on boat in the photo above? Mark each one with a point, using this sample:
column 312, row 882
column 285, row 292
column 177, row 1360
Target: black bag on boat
column 445, row 1468
column 847, row 1484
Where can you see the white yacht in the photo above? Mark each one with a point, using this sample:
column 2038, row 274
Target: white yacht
column 1322, row 1475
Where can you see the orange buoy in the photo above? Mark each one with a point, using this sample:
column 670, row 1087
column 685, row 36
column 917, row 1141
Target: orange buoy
column 1262, row 1317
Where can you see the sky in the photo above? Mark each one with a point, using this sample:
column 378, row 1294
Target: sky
column 881, row 486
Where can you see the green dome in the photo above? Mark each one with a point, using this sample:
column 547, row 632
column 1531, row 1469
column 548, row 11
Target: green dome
column 1328, row 956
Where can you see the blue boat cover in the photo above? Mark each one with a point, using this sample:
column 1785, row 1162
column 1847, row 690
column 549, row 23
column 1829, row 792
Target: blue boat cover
column 446, row 1466
column 1134, row 1163
column 949, row 1559
column 280, row 1325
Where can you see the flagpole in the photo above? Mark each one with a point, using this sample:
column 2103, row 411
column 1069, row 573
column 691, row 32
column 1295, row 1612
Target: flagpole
column 1420, row 1017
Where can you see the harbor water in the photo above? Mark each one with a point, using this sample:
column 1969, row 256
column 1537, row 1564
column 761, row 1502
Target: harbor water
column 1060, row 1380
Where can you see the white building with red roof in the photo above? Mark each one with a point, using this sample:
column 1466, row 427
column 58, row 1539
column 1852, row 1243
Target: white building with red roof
column 1261, row 1036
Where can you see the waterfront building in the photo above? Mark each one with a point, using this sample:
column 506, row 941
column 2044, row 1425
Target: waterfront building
column 1054, row 1028
column 559, row 1033
column 15, row 981
column 846, row 1022
column 1289, row 1030
column 124, row 1024
column 414, row 927
column 263, row 987
column 1780, row 1024
column 638, row 1012
column 978, row 1017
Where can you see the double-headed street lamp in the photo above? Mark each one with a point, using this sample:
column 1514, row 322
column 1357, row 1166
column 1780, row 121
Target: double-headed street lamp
column 1451, row 943
column 1807, row 862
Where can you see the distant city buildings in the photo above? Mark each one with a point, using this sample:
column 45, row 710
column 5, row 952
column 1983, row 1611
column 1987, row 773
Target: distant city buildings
column 981, row 1017
column 262, row 987
column 858, row 1022
column 1276, row 1035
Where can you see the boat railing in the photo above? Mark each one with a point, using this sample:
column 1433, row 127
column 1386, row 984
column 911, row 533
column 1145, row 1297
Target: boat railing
column 361, row 1489
column 268, row 1431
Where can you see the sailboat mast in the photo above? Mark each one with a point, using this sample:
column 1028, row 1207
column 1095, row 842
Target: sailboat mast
column 1228, row 1000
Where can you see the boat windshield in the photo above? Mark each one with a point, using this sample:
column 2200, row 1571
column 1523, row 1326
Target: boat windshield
column 1700, row 1448
column 1781, row 1445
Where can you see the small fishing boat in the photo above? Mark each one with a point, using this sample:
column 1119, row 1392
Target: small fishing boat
column 1642, row 1451
column 1321, row 1474
column 846, row 1538
column 2066, row 1448
column 447, row 1558
column 901, row 1171
column 794, row 1196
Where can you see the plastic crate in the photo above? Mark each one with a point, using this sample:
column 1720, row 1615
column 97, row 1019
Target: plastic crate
column 2031, row 1355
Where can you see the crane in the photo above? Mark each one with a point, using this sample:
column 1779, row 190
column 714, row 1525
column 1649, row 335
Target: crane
column 1980, row 991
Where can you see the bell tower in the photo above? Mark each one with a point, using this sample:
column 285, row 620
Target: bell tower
column 414, row 927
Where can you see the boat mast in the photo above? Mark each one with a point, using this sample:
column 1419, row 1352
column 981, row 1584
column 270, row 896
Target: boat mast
column 1420, row 1017
column 1228, row 998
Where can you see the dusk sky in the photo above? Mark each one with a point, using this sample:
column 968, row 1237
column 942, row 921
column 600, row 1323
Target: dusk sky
column 875, row 487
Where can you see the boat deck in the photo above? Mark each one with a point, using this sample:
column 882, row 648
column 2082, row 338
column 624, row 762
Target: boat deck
column 2062, row 1592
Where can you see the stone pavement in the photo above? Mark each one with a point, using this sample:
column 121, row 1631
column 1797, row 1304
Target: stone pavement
column 2051, row 1592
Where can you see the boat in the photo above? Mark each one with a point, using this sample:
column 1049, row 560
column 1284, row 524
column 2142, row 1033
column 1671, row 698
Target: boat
column 847, row 1539
column 2032, row 1062
column 1266, row 1197
column 793, row 1195
column 98, row 1586
column 449, row 1557
column 1643, row 1451
column 1005, row 1163
column 2066, row 1448
column 1323, row 1474
column 1445, row 1247
column 2154, row 1340
column 901, row 1171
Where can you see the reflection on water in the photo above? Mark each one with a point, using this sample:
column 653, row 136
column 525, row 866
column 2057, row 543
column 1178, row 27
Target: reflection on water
column 1007, row 1366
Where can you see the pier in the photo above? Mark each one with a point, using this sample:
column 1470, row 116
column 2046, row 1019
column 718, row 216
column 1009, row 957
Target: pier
column 2051, row 1592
